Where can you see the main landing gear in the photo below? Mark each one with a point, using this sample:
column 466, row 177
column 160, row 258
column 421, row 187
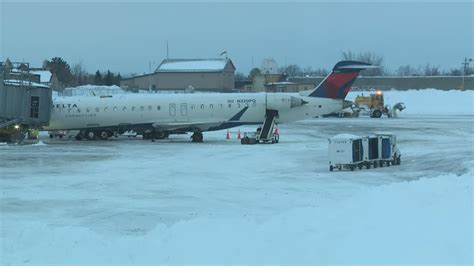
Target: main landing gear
column 155, row 135
column 94, row 134
column 197, row 137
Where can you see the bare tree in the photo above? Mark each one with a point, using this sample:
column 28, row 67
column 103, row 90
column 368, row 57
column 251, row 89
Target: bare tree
column 79, row 74
column 239, row 76
column 406, row 70
column 292, row 70
column 429, row 70
column 367, row 57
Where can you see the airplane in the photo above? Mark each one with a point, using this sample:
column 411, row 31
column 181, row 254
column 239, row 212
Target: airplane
column 156, row 116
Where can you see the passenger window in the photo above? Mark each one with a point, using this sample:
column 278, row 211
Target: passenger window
column 211, row 106
column 115, row 108
column 238, row 105
column 202, row 106
column 220, row 106
column 150, row 108
column 142, row 108
column 87, row 110
column 158, row 108
column 133, row 108
column 106, row 108
column 78, row 110
column 192, row 106
column 97, row 109
column 124, row 108
column 230, row 105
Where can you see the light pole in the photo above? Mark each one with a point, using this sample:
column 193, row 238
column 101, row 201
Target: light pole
column 466, row 68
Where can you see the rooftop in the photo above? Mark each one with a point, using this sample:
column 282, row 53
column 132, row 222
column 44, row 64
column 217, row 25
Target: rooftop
column 194, row 65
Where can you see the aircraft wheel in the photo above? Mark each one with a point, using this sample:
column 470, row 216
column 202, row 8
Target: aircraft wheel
column 160, row 134
column 90, row 135
column 105, row 134
column 197, row 137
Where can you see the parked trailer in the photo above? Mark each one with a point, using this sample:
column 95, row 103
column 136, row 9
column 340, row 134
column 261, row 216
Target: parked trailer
column 346, row 152
column 349, row 151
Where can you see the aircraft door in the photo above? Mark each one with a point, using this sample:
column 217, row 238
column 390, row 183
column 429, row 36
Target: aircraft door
column 173, row 111
column 184, row 111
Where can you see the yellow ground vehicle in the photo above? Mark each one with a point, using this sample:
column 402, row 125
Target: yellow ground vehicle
column 372, row 104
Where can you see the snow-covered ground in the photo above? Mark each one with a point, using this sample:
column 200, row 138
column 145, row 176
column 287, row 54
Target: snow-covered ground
column 130, row 201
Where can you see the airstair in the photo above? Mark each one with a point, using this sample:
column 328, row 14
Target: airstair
column 266, row 133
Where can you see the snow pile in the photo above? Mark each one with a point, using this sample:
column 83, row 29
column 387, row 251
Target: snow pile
column 92, row 90
column 425, row 221
column 192, row 65
column 429, row 101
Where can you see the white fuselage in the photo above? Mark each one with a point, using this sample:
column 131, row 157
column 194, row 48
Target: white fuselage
column 204, row 111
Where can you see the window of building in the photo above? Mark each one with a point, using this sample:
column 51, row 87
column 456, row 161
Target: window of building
column 34, row 106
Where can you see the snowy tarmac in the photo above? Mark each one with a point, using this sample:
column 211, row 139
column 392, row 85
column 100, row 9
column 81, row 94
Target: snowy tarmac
column 173, row 201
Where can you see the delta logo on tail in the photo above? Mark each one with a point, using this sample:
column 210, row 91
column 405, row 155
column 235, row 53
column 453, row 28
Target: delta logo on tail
column 338, row 84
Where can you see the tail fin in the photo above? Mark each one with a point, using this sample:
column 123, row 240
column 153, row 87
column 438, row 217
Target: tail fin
column 338, row 83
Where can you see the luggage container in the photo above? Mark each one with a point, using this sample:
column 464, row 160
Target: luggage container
column 346, row 152
column 388, row 150
column 371, row 151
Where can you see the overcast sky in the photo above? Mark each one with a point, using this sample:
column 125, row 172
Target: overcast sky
column 124, row 37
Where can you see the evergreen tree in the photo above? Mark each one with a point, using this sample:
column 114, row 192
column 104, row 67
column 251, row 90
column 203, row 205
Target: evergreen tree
column 98, row 78
column 117, row 79
column 109, row 78
column 61, row 69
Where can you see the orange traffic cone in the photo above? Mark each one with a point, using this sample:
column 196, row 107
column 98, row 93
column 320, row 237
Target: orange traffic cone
column 238, row 134
column 227, row 136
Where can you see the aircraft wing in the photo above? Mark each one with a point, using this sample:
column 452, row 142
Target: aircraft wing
column 202, row 125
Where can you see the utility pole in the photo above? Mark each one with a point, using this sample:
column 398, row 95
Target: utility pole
column 466, row 69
